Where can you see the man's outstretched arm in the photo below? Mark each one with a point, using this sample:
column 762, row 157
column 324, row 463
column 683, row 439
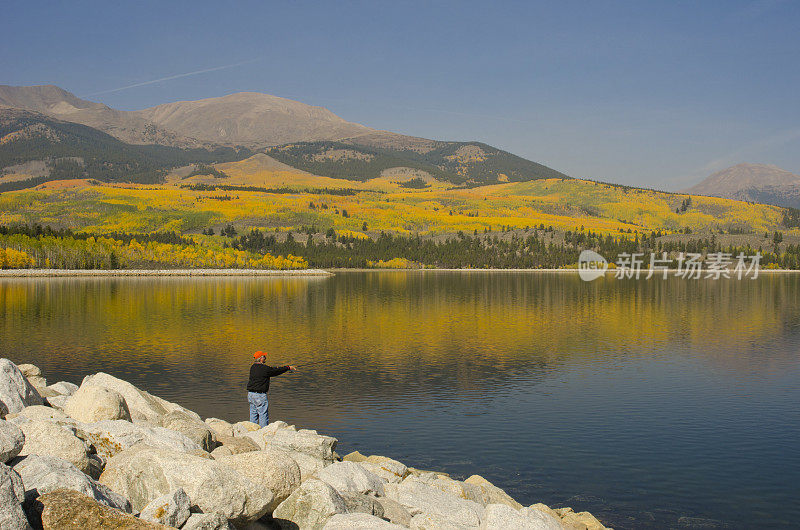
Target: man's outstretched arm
column 273, row 370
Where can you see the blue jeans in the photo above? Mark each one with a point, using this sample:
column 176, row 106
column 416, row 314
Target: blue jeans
column 259, row 408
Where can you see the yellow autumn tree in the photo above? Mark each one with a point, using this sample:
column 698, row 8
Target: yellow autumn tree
column 14, row 259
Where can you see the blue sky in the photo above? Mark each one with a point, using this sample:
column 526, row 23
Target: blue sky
column 655, row 94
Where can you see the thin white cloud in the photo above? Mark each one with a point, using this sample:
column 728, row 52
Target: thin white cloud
column 169, row 78
column 350, row 101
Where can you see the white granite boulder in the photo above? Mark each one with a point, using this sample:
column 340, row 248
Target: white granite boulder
column 70, row 510
column 491, row 493
column 12, row 495
column 502, row 516
column 395, row 512
column 220, row 427
column 29, row 370
column 144, row 473
column 171, row 509
column 436, row 521
column 287, row 439
column 57, row 402
column 142, row 405
column 580, row 520
column 421, row 498
column 44, row 413
column 309, row 506
column 16, row 392
column 350, row 477
column 43, row 474
column 34, row 376
column 309, row 466
column 358, row 521
column 362, row 503
column 273, row 469
column 91, row 403
column 207, row 521
column 63, row 388
column 386, row 468
column 112, row 436
column 190, row 426
column 454, row 487
column 241, row 428
column 47, row 438
column 234, row 445
column 12, row 439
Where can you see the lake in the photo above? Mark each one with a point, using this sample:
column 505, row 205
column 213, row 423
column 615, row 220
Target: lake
column 649, row 403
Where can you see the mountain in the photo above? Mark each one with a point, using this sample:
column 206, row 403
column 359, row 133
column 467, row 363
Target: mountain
column 306, row 137
column 462, row 163
column 35, row 148
column 57, row 103
column 250, row 119
column 244, row 119
column 761, row 183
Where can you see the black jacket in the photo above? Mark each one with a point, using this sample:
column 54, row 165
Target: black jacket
column 259, row 377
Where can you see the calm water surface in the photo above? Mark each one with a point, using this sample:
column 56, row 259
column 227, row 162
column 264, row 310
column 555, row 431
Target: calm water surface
column 649, row 403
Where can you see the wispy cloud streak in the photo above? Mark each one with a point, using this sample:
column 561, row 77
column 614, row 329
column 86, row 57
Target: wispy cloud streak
column 169, row 78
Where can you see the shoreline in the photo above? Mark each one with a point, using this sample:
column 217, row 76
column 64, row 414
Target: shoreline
column 609, row 271
column 51, row 273
column 88, row 273
column 109, row 449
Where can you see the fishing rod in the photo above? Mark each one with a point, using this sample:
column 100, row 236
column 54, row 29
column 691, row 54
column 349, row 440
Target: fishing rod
column 312, row 363
column 308, row 364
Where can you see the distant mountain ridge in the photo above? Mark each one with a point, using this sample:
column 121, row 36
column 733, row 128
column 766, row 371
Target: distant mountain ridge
column 295, row 133
column 251, row 119
column 761, row 183
column 57, row 103
column 243, row 119
column 462, row 163
column 67, row 150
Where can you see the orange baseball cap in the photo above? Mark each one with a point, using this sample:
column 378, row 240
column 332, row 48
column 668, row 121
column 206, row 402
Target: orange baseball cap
column 258, row 354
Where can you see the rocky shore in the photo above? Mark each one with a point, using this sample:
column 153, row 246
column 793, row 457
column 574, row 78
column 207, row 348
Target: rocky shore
column 106, row 454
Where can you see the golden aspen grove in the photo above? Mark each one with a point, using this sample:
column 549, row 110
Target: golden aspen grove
column 299, row 209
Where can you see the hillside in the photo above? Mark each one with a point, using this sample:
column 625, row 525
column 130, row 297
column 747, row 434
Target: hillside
column 766, row 184
column 262, row 206
column 250, row 119
column 361, row 184
column 35, row 148
column 463, row 163
column 246, row 118
column 57, row 103
column 308, row 138
column 256, row 193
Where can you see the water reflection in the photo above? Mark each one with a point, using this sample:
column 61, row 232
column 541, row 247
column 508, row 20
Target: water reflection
column 633, row 395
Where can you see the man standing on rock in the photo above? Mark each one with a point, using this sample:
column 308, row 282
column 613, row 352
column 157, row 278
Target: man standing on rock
column 258, row 385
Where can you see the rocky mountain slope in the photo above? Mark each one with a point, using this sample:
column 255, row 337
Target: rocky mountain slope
column 250, row 119
column 243, row 119
column 57, row 103
column 462, row 163
column 305, row 137
column 35, row 148
column 761, row 183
